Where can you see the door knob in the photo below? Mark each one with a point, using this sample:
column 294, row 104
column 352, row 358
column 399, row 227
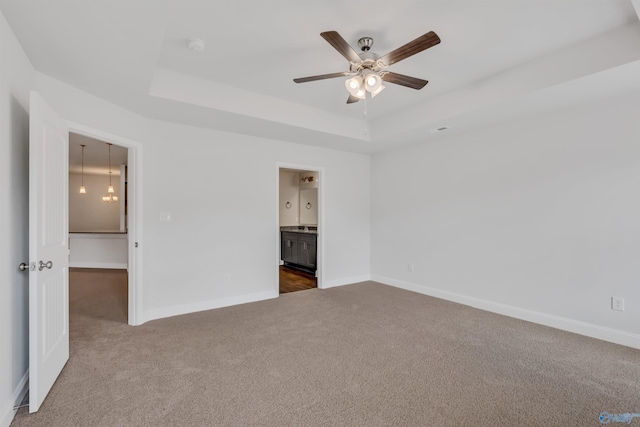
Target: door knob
column 43, row 265
column 23, row 266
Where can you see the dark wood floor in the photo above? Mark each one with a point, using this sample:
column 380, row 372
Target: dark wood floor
column 292, row 280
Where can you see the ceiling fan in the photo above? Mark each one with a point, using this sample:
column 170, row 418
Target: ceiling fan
column 368, row 70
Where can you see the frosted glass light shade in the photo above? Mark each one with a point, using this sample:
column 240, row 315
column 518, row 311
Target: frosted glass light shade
column 110, row 189
column 354, row 86
column 374, row 82
column 377, row 91
column 83, row 190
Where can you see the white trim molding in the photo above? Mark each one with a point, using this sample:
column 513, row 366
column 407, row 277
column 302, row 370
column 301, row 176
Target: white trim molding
column 346, row 281
column 570, row 325
column 19, row 393
column 105, row 265
column 176, row 310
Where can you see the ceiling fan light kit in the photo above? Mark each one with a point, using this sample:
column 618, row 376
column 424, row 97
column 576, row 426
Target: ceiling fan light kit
column 367, row 70
column 358, row 85
column 355, row 87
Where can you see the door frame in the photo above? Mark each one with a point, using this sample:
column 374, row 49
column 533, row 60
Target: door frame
column 321, row 226
column 134, row 208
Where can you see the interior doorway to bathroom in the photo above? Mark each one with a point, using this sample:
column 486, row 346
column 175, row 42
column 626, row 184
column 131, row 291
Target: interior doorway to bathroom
column 298, row 229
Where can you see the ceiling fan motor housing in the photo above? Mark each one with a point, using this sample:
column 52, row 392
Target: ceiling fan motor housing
column 365, row 43
column 369, row 61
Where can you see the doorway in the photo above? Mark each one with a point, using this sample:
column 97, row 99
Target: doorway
column 127, row 162
column 298, row 229
column 98, row 214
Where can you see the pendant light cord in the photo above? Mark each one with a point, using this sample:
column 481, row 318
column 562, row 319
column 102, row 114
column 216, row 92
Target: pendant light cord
column 82, row 181
column 110, row 165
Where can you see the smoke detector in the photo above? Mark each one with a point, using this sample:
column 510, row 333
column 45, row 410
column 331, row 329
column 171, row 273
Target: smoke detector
column 196, row 45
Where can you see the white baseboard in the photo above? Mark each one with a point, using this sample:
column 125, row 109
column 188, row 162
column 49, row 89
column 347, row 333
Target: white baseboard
column 18, row 395
column 108, row 265
column 345, row 281
column 570, row 325
column 176, row 310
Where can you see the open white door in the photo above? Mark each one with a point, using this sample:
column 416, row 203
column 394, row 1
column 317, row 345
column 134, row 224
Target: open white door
column 48, row 248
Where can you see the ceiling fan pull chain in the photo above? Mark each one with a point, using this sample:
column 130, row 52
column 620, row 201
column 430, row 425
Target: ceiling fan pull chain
column 365, row 116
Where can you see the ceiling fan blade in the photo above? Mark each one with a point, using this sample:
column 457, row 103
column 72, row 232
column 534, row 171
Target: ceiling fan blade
column 341, row 46
column 321, row 77
column 401, row 79
column 423, row 42
column 352, row 99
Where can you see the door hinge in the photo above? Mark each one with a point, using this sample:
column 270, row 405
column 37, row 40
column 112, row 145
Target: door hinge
column 135, row 244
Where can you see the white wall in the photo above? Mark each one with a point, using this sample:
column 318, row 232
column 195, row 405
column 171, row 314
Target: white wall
column 87, row 212
column 289, row 192
column 89, row 250
column 539, row 215
column 16, row 77
column 223, row 218
column 537, row 218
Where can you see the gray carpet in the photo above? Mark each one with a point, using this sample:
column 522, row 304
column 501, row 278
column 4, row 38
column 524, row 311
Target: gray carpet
column 359, row 355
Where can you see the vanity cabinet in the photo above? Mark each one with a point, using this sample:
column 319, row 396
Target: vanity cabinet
column 299, row 250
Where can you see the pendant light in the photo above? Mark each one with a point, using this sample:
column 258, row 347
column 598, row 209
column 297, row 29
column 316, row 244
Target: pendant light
column 110, row 189
column 82, row 189
column 110, row 197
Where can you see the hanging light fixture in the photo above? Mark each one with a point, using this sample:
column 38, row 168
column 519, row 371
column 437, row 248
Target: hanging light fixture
column 82, row 189
column 110, row 189
column 366, row 80
column 110, row 197
column 355, row 86
column 374, row 84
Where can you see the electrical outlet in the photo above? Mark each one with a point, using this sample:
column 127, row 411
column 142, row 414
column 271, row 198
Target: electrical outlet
column 617, row 303
column 410, row 268
column 227, row 278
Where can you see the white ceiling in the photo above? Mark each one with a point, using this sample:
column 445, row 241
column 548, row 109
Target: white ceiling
column 96, row 156
column 494, row 56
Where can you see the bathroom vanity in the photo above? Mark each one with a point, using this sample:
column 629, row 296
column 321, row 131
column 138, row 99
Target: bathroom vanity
column 299, row 247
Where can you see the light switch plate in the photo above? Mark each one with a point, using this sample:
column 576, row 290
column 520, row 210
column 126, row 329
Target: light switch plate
column 617, row 303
